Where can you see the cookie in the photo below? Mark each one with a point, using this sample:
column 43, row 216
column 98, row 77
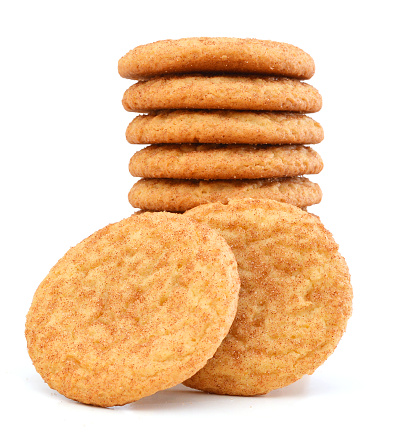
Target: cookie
column 220, row 126
column 295, row 297
column 222, row 92
column 232, row 55
column 210, row 161
column 135, row 308
column 181, row 195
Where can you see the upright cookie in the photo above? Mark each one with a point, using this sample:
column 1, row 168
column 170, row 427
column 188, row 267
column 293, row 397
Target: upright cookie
column 180, row 195
column 222, row 92
column 136, row 307
column 217, row 126
column 295, row 297
column 210, row 161
column 231, row 55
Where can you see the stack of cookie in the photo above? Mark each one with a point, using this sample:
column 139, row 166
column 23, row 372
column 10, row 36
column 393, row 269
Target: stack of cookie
column 225, row 119
column 239, row 297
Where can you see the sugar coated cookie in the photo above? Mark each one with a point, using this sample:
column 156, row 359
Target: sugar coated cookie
column 295, row 297
column 136, row 307
column 233, row 55
column 217, row 126
column 210, row 161
column 181, row 195
column 222, row 92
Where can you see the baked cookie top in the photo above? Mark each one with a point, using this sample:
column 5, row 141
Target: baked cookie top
column 179, row 195
column 295, row 297
column 138, row 306
column 233, row 55
column 222, row 92
column 210, row 161
column 222, row 127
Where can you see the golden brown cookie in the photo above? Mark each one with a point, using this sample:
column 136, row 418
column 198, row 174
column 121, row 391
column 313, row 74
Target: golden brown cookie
column 295, row 297
column 217, row 126
column 135, row 308
column 210, row 161
column 181, row 195
column 222, row 92
column 232, row 55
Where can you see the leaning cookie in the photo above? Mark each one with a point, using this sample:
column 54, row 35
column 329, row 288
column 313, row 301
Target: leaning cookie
column 295, row 297
column 221, row 127
column 231, row 55
column 180, row 195
column 136, row 307
column 210, row 161
column 222, row 92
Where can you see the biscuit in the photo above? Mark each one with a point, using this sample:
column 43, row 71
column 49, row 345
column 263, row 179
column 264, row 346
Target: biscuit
column 181, row 195
column 220, row 126
column 135, row 308
column 232, row 55
column 295, row 297
column 210, row 161
column 222, row 92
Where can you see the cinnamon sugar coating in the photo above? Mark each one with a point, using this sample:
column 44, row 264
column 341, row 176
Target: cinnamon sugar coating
column 138, row 306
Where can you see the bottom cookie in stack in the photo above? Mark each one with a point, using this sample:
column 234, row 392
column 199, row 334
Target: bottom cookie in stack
column 175, row 195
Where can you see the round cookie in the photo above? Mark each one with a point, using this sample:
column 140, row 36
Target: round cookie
column 211, row 161
column 181, row 195
column 232, row 55
column 137, row 307
column 295, row 297
column 222, row 92
column 221, row 127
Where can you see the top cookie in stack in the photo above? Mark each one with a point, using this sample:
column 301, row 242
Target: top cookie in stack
column 225, row 118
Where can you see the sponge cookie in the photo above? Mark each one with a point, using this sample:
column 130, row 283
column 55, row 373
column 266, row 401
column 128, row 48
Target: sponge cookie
column 233, row 55
column 181, row 195
column 295, row 297
column 217, row 126
column 136, row 307
column 210, row 161
column 222, row 92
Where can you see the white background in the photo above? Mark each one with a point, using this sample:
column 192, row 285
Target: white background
column 64, row 175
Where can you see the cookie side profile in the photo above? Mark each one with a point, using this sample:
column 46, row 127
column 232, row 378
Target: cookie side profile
column 222, row 92
column 217, row 126
column 135, row 308
column 295, row 297
column 210, row 161
column 181, row 195
column 232, row 55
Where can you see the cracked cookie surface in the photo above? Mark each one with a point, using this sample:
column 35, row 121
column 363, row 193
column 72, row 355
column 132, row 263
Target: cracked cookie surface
column 222, row 127
column 295, row 297
column 138, row 306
